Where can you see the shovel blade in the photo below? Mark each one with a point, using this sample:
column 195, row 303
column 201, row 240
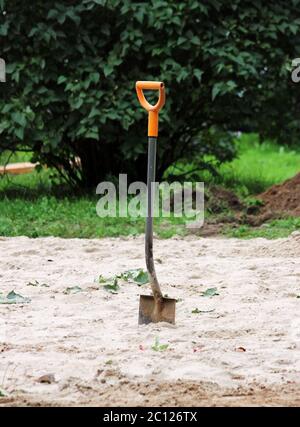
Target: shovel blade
column 151, row 311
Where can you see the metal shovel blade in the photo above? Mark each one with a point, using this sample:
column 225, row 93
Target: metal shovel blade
column 151, row 310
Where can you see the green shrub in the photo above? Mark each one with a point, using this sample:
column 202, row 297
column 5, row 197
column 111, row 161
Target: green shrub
column 72, row 66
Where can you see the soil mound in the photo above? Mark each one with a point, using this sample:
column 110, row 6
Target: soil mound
column 282, row 199
column 219, row 198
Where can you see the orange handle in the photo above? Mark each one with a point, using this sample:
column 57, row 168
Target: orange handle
column 153, row 110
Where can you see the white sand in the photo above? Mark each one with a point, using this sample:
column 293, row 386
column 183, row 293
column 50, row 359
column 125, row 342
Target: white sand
column 74, row 336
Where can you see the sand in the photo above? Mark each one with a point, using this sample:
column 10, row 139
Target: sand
column 244, row 349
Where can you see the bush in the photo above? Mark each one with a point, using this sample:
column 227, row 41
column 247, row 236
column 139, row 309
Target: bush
column 72, row 66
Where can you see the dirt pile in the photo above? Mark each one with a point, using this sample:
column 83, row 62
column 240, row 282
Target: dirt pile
column 218, row 199
column 279, row 201
column 282, row 199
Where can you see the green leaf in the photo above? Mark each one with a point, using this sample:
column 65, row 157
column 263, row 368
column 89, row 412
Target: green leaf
column 107, row 69
column 215, row 91
column 61, row 79
column 138, row 276
column 52, row 14
column 197, row 311
column 112, row 287
column 19, row 132
column 4, row 28
column 77, row 103
column 72, row 290
column 102, row 279
column 14, row 298
column 181, row 40
column 94, row 113
column 210, row 292
column 159, row 347
column 198, row 74
column 19, row 118
column 95, row 77
column 2, row 393
column 110, row 283
column 195, row 40
column 92, row 133
column 33, row 31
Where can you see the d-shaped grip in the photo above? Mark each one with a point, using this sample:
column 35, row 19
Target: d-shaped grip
column 153, row 110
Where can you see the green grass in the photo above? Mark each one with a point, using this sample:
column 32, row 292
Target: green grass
column 9, row 157
column 259, row 166
column 271, row 230
column 32, row 205
column 72, row 217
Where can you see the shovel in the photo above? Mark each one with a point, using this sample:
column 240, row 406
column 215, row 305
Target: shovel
column 155, row 307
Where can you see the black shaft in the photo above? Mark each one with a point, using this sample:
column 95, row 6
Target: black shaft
column 149, row 220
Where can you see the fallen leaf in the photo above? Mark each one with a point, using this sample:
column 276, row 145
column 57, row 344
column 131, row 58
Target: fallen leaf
column 210, row 292
column 14, row 298
column 102, row 279
column 112, row 287
column 110, row 283
column 197, row 311
column 2, row 393
column 35, row 283
column 46, row 379
column 159, row 347
column 138, row 276
column 240, row 349
column 72, row 290
column 198, row 348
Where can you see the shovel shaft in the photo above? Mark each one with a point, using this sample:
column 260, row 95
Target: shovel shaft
column 149, row 221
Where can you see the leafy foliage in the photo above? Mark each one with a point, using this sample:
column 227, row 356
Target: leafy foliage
column 71, row 69
column 110, row 284
column 138, row 276
column 157, row 346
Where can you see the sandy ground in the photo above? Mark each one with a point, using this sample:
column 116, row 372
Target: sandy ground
column 244, row 352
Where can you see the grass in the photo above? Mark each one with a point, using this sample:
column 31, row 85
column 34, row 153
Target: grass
column 32, row 205
column 72, row 217
column 9, row 157
column 259, row 166
column 270, row 230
